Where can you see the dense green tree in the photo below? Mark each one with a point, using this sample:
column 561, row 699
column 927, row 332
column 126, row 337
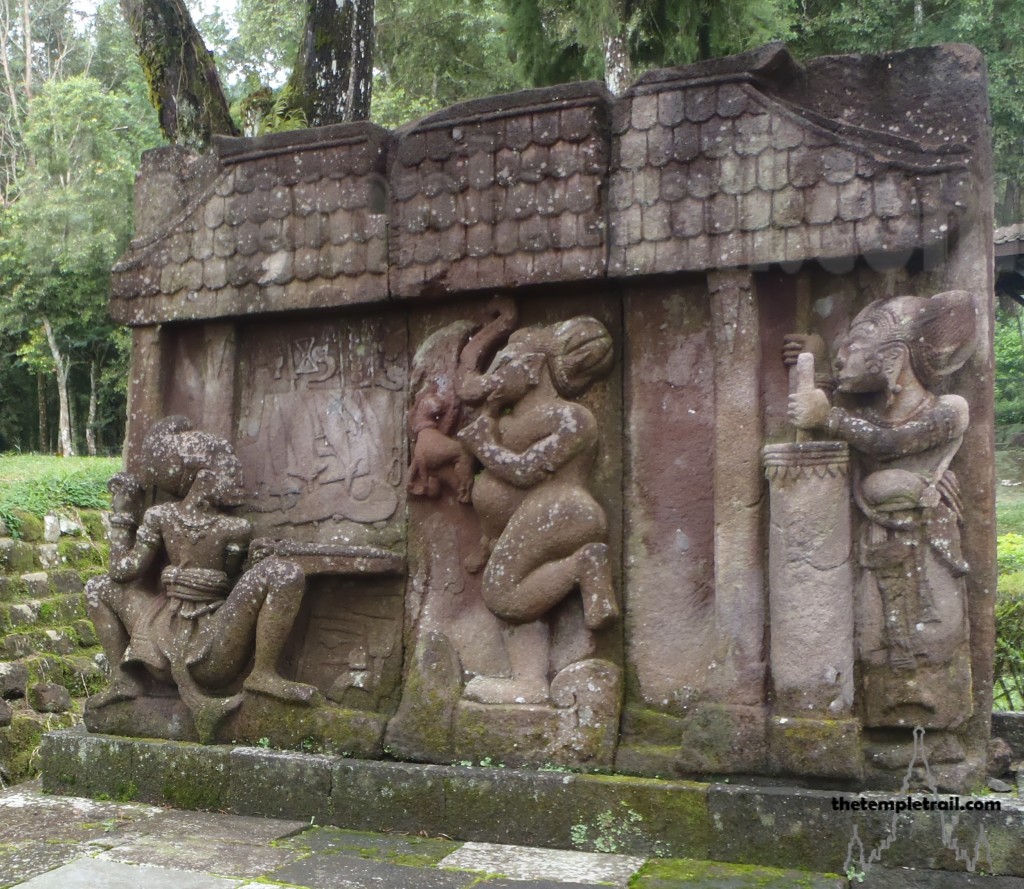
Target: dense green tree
column 69, row 223
column 559, row 40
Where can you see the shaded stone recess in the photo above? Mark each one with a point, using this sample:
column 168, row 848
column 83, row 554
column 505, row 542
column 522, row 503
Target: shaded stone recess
column 649, row 434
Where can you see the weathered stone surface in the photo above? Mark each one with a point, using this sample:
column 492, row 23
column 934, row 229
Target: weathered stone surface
column 13, row 680
column 5, row 713
column 49, row 697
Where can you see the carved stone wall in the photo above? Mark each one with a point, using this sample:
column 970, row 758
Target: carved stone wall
column 499, row 384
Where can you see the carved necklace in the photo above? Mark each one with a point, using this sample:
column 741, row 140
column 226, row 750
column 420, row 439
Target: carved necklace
column 195, row 528
column 927, row 401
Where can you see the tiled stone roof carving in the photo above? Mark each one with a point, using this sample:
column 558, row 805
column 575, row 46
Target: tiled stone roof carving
column 714, row 172
column 502, row 192
column 734, row 162
column 303, row 211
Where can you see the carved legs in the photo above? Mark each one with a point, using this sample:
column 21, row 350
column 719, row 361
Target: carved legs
column 528, row 650
column 262, row 605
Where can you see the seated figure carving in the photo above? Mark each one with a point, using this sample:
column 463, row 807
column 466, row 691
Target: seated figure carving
column 544, row 533
column 895, row 354
column 182, row 605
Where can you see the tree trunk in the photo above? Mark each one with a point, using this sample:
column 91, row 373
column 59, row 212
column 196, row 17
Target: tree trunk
column 63, row 365
column 26, row 33
column 183, row 83
column 704, row 31
column 333, row 73
column 44, row 420
column 618, row 71
column 90, row 420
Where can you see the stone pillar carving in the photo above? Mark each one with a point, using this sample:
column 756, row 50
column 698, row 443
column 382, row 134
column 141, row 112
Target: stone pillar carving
column 810, row 578
column 739, row 546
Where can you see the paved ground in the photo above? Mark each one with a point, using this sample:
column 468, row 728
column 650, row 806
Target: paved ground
column 49, row 842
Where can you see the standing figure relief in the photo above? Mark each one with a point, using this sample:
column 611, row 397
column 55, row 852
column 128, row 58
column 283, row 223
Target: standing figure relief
column 887, row 367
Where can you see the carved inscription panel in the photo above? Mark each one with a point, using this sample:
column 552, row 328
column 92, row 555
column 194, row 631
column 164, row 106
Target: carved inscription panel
column 321, row 426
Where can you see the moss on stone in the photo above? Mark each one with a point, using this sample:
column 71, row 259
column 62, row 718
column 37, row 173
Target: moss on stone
column 82, row 554
column 664, row 873
column 92, row 521
column 30, row 527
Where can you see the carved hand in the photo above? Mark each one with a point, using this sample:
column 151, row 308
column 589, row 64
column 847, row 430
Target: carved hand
column 126, row 496
column 808, row 408
column 483, row 430
column 795, row 343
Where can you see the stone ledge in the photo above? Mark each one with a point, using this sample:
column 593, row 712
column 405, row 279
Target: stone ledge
column 773, row 826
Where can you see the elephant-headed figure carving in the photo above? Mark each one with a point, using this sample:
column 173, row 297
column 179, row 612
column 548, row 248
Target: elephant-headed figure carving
column 545, row 535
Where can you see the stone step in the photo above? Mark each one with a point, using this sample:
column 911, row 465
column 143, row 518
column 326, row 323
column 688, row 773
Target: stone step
column 56, row 610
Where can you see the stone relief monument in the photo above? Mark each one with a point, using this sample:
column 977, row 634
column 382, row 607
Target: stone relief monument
column 473, row 440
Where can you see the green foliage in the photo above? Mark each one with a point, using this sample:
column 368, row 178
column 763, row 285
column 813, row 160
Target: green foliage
column 1008, row 670
column 433, row 53
column 555, row 41
column 1009, row 349
column 1011, row 553
column 39, row 485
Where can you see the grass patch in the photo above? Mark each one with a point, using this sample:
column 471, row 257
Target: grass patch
column 36, row 485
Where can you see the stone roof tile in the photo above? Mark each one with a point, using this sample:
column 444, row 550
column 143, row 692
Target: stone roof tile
column 787, row 207
column 855, row 200
column 786, row 133
column 671, row 108
column 838, row 164
column 716, row 137
column 215, row 273
column 806, row 167
column 546, row 128
column 518, row 132
column 685, row 143
column 732, row 100
column 755, row 211
column 659, row 146
column 644, row 114
column 701, row 103
column 822, row 204
column 202, row 243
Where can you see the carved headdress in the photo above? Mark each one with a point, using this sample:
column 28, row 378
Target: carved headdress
column 938, row 331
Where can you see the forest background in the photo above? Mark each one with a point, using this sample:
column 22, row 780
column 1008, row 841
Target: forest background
column 87, row 85
column 76, row 114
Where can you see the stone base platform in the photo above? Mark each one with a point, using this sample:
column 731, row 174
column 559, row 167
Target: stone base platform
column 771, row 825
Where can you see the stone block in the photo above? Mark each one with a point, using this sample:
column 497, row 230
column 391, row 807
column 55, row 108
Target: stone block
column 81, row 764
column 278, row 784
column 827, row 748
column 13, row 680
column 186, row 776
column 49, row 697
column 721, row 739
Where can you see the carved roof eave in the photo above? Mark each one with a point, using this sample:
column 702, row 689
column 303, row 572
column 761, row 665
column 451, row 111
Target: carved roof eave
column 918, row 194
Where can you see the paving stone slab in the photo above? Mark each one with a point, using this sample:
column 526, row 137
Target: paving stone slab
column 245, row 829
column 326, row 871
column 538, row 884
column 879, row 877
column 22, row 861
column 688, row 874
column 200, row 854
column 26, row 814
column 89, row 873
column 379, row 847
column 527, row 863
